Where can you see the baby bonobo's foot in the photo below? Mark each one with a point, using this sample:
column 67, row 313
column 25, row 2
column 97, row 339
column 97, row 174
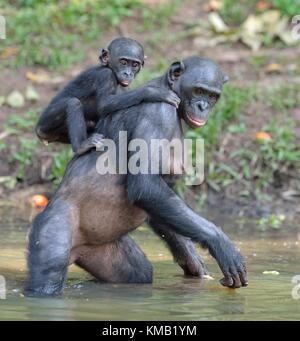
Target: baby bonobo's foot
column 94, row 141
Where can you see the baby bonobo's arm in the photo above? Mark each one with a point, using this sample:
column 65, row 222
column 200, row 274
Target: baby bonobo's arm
column 107, row 104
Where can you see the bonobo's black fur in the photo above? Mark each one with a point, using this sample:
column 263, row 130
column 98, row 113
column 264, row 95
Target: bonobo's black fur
column 73, row 113
column 88, row 205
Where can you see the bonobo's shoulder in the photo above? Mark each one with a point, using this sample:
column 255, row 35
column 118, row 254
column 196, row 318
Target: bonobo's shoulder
column 158, row 112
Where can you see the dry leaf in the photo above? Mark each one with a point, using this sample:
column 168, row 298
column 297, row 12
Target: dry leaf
column 213, row 5
column 217, row 23
column 8, row 52
column 263, row 5
column 251, row 32
column 39, row 77
column 31, row 94
column 15, row 99
column 273, row 68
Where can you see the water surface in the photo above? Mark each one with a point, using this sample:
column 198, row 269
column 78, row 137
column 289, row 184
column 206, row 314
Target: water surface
column 171, row 296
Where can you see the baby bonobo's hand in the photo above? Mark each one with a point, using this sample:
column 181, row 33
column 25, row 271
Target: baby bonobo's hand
column 94, row 141
column 156, row 94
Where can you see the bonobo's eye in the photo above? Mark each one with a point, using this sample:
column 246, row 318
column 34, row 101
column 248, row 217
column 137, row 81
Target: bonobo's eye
column 213, row 98
column 123, row 61
column 135, row 64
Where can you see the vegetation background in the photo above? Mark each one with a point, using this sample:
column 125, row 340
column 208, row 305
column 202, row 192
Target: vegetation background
column 252, row 138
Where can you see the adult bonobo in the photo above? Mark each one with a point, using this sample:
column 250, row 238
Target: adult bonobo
column 74, row 112
column 90, row 215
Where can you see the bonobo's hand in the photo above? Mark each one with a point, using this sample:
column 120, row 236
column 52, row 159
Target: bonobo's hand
column 155, row 94
column 94, row 141
column 230, row 261
column 194, row 266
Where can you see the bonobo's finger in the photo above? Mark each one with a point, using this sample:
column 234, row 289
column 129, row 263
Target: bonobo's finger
column 243, row 277
column 227, row 281
column 236, row 280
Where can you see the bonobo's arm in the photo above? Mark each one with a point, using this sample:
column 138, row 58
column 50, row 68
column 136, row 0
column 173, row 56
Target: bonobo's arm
column 108, row 103
column 151, row 193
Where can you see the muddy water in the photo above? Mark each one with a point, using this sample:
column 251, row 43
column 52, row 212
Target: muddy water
column 172, row 296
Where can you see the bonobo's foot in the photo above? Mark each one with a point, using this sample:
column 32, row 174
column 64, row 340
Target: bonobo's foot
column 231, row 262
column 194, row 266
column 94, row 141
column 44, row 291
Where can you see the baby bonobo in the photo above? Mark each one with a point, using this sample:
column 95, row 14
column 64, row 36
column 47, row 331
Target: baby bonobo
column 73, row 113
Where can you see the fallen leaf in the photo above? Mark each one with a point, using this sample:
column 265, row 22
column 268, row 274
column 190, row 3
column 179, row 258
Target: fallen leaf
column 263, row 5
column 217, row 23
column 8, row 52
column 15, row 99
column 212, row 5
column 261, row 135
column 31, row 94
column 39, row 77
column 276, row 273
column 273, row 68
column 251, row 32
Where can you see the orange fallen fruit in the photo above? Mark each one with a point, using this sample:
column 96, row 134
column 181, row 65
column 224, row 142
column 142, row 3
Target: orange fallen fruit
column 39, row 200
column 262, row 136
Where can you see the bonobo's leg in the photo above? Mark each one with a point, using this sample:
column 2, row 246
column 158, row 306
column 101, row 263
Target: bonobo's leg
column 49, row 250
column 182, row 248
column 151, row 193
column 119, row 262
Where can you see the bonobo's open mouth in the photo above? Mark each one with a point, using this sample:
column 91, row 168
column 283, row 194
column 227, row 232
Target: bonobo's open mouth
column 195, row 122
column 124, row 83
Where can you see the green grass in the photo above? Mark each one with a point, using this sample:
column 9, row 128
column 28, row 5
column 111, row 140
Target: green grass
column 25, row 152
column 53, row 33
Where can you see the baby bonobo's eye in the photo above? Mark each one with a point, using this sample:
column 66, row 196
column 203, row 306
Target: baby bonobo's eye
column 198, row 92
column 123, row 62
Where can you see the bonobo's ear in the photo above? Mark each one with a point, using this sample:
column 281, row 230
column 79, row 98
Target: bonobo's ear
column 225, row 78
column 104, row 57
column 175, row 71
column 143, row 62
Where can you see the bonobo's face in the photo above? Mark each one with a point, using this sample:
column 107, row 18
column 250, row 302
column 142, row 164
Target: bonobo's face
column 125, row 57
column 199, row 86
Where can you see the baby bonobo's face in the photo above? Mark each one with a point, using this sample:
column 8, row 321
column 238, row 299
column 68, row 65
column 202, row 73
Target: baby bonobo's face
column 199, row 88
column 126, row 58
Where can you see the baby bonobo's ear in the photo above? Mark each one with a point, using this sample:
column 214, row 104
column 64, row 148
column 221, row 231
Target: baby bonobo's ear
column 175, row 71
column 104, row 57
column 225, row 78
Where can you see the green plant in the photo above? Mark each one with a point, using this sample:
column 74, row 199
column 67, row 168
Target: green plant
column 24, row 156
column 235, row 12
column 60, row 161
column 49, row 33
column 288, row 7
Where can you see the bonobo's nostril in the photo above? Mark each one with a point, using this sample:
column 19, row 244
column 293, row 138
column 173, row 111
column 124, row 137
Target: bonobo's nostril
column 203, row 105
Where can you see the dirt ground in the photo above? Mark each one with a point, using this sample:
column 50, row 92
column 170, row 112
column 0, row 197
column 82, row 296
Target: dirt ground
column 233, row 59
